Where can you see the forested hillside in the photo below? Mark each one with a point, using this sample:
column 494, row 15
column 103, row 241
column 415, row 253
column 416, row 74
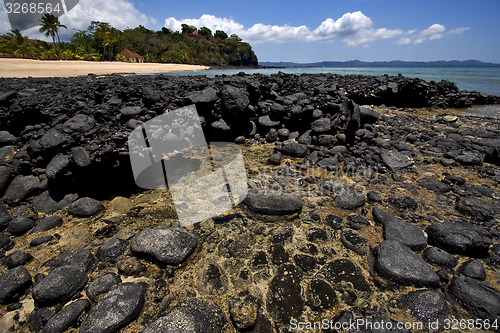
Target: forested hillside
column 101, row 41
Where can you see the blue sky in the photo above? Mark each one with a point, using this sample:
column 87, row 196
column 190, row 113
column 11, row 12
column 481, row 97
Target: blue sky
column 311, row 31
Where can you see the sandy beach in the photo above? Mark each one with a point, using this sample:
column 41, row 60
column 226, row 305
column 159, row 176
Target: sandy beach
column 66, row 68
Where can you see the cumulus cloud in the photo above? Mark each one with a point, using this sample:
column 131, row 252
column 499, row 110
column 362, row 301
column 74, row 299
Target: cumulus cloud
column 434, row 32
column 352, row 28
column 118, row 13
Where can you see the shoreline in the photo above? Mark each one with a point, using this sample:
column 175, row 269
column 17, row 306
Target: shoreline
column 24, row 68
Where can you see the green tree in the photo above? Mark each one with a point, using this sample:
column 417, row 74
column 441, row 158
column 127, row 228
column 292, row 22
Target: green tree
column 219, row 34
column 50, row 26
column 204, row 31
column 15, row 43
column 187, row 29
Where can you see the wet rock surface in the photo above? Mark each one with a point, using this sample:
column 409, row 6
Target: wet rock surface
column 343, row 198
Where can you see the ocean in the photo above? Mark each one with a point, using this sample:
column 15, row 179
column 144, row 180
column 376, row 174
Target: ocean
column 485, row 80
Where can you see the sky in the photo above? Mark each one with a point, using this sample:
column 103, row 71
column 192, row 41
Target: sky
column 311, row 31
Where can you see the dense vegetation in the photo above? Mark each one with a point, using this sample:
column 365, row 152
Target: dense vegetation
column 101, row 41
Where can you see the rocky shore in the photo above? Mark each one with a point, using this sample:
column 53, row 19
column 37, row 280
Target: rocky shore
column 367, row 201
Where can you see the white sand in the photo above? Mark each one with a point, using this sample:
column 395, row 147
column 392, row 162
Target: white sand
column 66, row 68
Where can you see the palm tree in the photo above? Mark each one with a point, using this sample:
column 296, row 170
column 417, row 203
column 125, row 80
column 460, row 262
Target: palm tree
column 14, row 43
column 50, row 25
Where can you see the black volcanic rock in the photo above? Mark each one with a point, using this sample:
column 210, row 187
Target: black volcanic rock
column 79, row 123
column 398, row 230
column 234, row 100
column 4, row 177
column 59, row 285
column 21, row 188
column 82, row 259
column 5, row 217
column 424, row 305
column 47, row 223
column 479, row 298
column 20, row 225
column 85, row 207
column 294, row 149
column 67, row 317
column 169, row 246
column 399, row 264
column 56, row 166
column 480, row 209
column 460, row 238
column 473, row 269
column 347, row 197
column 102, row 284
column 53, row 139
column 13, row 284
column 206, row 96
column 116, row 309
column 268, row 202
column 438, row 257
column 191, row 315
column 283, row 298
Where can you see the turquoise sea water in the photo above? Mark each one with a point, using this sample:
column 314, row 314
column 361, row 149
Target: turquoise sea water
column 485, row 80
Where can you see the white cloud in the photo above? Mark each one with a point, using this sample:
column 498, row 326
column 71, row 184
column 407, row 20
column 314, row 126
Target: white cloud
column 118, row 13
column 434, row 32
column 352, row 28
